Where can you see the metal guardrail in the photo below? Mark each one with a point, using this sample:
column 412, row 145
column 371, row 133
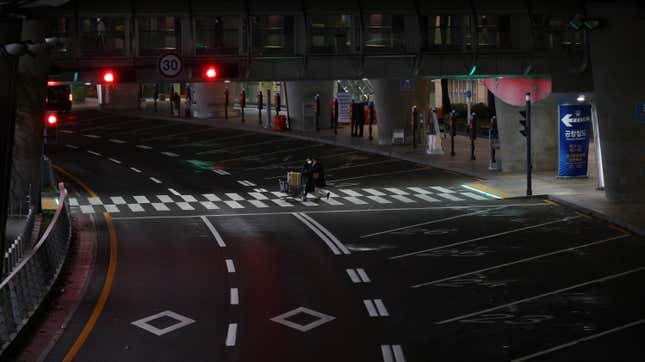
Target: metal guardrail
column 22, row 291
column 16, row 249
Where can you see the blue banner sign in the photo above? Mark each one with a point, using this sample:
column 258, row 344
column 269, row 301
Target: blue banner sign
column 407, row 85
column 575, row 121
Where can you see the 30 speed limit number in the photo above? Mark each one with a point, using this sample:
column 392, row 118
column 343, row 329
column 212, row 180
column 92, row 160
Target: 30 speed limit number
column 170, row 65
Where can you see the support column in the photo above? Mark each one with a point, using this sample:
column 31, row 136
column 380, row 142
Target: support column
column 303, row 92
column 617, row 57
column 208, row 99
column 393, row 106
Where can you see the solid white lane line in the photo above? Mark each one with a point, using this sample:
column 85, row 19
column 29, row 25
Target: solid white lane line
column 558, row 291
column 234, row 204
column 72, row 146
column 450, row 197
column 114, row 140
column 136, row 208
column 94, row 153
column 111, row 208
column 235, row 298
column 521, row 261
column 160, row 206
column 425, row 197
column 231, row 334
column 214, row 231
column 281, row 203
column 442, row 189
column 350, row 192
column 95, row 200
column 211, row 197
column 320, row 234
column 580, row 340
column 474, row 196
column 380, row 307
column 156, row 180
column 371, row 310
column 419, row 190
column 397, row 191
column 170, row 154
column 87, row 209
column 379, row 200
column 398, row 353
column 185, row 206
column 209, row 205
column 388, row 356
column 353, row 276
column 235, row 197
column 258, row 203
column 258, row 196
column 431, row 222
column 164, row 198
column 333, row 202
column 485, row 237
column 189, row 198
column 363, row 275
column 135, row 170
column 402, row 198
column 142, row 200
column 374, row 192
column 118, row 200
column 230, row 266
column 355, row 200
column 174, row 192
column 143, row 147
column 331, row 236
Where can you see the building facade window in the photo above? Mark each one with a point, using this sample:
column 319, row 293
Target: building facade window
column 272, row 34
column 60, row 27
column 158, row 34
column 217, row 34
column 493, row 31
column 103, row 35
column 449, row 32
column 385, row 32
column 335, row 34
column 551, row 33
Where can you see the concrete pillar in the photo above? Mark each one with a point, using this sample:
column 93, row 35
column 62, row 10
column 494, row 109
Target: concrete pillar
column 122, row 96
column 301, row 94
column 617, row 57
column 544, row 136
column 31, row 89
column 208, row 99
column 393, row 106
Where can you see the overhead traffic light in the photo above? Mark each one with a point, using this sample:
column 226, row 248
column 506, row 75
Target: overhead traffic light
column 523, row 123
column 210, row 72
column 108, row 77
column 51, row 119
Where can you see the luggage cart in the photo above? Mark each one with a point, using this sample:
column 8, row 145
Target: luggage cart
column 293, row 190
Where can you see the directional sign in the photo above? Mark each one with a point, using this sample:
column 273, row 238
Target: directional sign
column 468, row 94
column 170, row 65
column 407, row 85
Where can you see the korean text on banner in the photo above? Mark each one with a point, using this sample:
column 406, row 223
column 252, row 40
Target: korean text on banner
column 575, row 120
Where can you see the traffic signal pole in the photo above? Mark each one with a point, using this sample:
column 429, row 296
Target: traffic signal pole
column 529, row 165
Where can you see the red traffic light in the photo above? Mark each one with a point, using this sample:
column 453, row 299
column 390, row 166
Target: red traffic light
column 210, row 72
column 52, row 119
column 108, row 77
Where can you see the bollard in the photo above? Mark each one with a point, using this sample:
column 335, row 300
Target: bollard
column 453, row 132
column 225, row 103
column 242, row 102
column 317, row 110
column 260, row 102
column 473, row 134
column 415, row 116
column 371, row 115
column 268, row 122
column 334, row 115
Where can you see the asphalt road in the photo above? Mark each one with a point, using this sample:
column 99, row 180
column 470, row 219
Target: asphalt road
column 401, row 263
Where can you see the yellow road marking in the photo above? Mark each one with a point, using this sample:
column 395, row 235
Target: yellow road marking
column 618, row 228
column 550, row 202
column 109, row 278
column 489, row 190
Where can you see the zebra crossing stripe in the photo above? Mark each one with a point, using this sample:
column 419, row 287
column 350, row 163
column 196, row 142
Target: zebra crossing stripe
column 258, row 196
column 234, row 204
column 450, row 197
column 142, row 200
column 87, row 209
column 160, row 206
column 95, row 201
column 473, row 196
column 379, row 199
column 281, row 203
column 355, row 200
column 164, row 198
column 118, row 200
column 235, row 197
column 331, row 194
column 185, row 206
column 374, row 192
column 209, row 205
column 136, row 208
column 332, row 202
column 73, row 201
column 188, row 198
column 402, row 198
column 279, row 194
column 419, row 190
column 111, row 208
column 397, row 191
column 258, row 203
column 350, row 192
column 442, row 189
column 426, row 198
column 212, row 197
column 308, row 203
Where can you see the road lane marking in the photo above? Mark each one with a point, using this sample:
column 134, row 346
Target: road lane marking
column 94, row 153
column 233, row 196
column 551, row 202
column 246, row 183
column 234, row 204
column 231, row 335
column 380, row 307
column 111, row 208
column 392, row 353
column 450, row 197
column 185, row 206
column 379, row 199
column 91, row 136
column 363, row 275
column 211, row 197
column 473, row 196
column 174, row 192
column 66, row 131
column 72, row 147
column 209, row 205
column 328, row 233
column 170, row 154
column 142, row 199
column 114, row 140
column 235, row 297
column 95, row 200
column 580, row 340
column 442, row 189
column 160, row 206
column 144, row 147
column 258, row 203
column 258, row 196
column 488, row 191
column 118, row 200
column 432, row 222
column 374, row 192
column 350, row 192
column 499, row 266
column 214, row 231
column 164, row 198
column 358, row 275
column 353, row 276
column 402, row 198
column 485, row 237
column 188, row 198
column 426, row 198
column 355, row 200
column 419, row 190
column 156, row 180
column 320, row 234
column 221, row 172
column 136, row 208
column 376, row 308
column 398, row 353
column 371, row 310
column 230, row 266
column 135, row 170
column 381, row 174
column 558, row 291
column 397, row 191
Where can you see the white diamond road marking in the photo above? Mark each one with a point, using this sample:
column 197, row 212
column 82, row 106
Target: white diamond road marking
column 308, row 203
column 442, row 189
column 170, row 154
column 209, row 205
column 188, row 198
column 396, row 191
column 136, row 208
column 355, row 200
column 322, row 319
column 164, row 198
column 350, row 192
column 281, row 203
column 95, row 201
column 279, row 194
column 258, row 196
column 402, row 198
column 142, row 200
column 87, row 209
column 160, row 206
column 118, row 200
column 473, row 196
column 234, row 204
column 379, row 199
column 235, row 197
column 374, row 192
column 182, row 321
column 419, row 190
column 450, row 197
column 111, row 208
column 332, row 202
column 212, row 197
column 185, row 206
column 258, row 203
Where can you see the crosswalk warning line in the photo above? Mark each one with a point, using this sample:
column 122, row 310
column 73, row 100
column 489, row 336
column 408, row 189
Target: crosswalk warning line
column 402, row 198
column 355, row 200
column 419, row 190
column 258, row 196
column 136, row 208
column 212, row 197
column 442, row 189
column 350, row 192
column 258, row 203
column 234, row 204
column 160, row 206
column 332, row 202
column 427, row 198
column 379, row 199
column 185, row 206
column 189, row 198
column 281, row 203
column 450, row 197
column 95, row 201
column 374, row 192
column 87, row 209
column 209, row 205
column 118, row 200
column 111, row 208
column 397, row 191
column 235, row 197
column 164, row 198
column 142, row 200
column 473, row 196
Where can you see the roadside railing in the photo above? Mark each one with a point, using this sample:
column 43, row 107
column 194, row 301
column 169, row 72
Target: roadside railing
column 18, row 246
column 25, row 288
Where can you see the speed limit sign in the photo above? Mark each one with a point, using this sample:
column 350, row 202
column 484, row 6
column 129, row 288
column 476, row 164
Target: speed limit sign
column 170, row 65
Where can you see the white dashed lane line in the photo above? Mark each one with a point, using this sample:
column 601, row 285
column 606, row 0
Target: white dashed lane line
column 94, row 153
column 231, row 335
column 72, row 146
column 115, row 160
column 113, row 140
column 392, row 353
column 144, row 147
column 156, row 180
column 235, row 298
column 135, row 170
column 170, row 154
column 358, row 275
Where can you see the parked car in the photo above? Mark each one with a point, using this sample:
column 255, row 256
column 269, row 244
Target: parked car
column 59, row 98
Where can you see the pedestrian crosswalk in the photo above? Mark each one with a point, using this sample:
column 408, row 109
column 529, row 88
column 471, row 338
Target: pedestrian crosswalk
column 262, row 199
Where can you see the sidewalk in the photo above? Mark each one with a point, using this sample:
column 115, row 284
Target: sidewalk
column 580, row 194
